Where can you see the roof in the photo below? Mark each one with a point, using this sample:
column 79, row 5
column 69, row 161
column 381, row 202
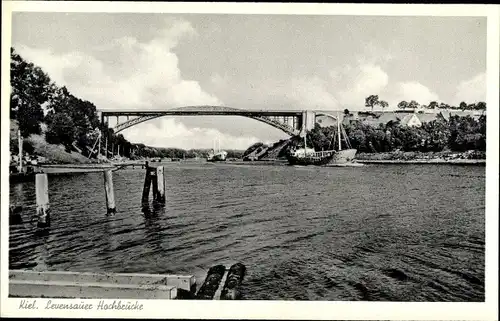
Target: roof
column 387, row 117
column 427, row 117
column 406, row 119
column 382, row 119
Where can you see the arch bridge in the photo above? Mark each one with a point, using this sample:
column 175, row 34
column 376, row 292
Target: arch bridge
column 292, row 122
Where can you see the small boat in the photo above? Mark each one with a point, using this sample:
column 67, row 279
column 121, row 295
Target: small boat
column 217, row 155
column 308, row 156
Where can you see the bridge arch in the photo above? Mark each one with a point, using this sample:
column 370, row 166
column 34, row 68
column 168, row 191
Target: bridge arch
column 319, row 114
column 210, row 110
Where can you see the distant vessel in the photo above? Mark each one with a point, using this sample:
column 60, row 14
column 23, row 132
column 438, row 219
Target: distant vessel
column 308, row 156
column 217, row 155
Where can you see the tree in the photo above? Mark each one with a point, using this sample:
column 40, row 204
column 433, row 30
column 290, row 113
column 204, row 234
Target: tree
column 481, row 105
column 320, row 138
column 403, row 105
column 61, row 130
column 346, row 111
column 30, row 88
column 433, row 105
column 413, row 104
column 371, row 101
column 463, row 105
column 444, row 106
column 383, row 104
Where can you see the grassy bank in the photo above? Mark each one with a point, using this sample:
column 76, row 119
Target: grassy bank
column 37, row 145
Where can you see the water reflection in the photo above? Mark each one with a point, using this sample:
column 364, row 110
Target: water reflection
column 42, row 248
column 152, row 226
column 334, row 236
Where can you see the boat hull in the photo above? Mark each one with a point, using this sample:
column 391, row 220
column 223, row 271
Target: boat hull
column 219, row 157
column 331, row 158
column 343, row 156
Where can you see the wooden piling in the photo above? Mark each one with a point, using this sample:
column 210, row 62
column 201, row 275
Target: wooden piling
column 154, row 181
column 147, row 184
column 42, row 200
column 110, row 193
column 160, row 179
column 15, row 215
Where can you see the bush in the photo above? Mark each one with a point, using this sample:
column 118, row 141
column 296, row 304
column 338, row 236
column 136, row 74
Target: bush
column 61, row 131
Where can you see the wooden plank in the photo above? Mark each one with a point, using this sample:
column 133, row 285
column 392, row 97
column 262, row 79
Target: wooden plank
column 212, row 282
column 221, row 285
column 60, row 289
column 185, row 282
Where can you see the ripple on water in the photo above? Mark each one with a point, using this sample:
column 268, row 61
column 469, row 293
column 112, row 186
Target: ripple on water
column 390, row 233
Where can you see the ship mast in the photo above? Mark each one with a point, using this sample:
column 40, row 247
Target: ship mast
column 338, row 132
column 20, row 146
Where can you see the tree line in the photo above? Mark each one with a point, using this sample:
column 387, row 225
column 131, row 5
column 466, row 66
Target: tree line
column 374, row 101
column 458, row 133
column 141, row 150
column 37, row 101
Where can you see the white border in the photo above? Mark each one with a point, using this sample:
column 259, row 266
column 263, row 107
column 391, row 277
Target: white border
column 279, row 309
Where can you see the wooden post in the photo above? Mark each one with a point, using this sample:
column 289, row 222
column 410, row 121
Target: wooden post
column 160, row 178
column 147, row 184
column 20, row 146
column 110, row 193
column 42, row 200
column 106, row 147
column 154, row 182
column 99, row 148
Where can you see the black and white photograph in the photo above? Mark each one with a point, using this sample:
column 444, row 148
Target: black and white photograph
column 164, row 156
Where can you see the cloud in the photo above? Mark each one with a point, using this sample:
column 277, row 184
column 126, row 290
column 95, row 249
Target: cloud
column 127, row 73
column 173, row 133
column 354, row 84
column 373, row 54
column 409, row 90
column 471, row 90
column 311, row 93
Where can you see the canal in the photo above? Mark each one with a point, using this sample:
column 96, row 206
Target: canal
column 378, row 232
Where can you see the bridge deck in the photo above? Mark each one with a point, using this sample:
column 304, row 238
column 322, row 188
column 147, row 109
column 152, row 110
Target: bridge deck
column 252, row 113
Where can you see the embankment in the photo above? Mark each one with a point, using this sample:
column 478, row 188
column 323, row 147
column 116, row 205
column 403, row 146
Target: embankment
column 446, row 157
column 48, row 153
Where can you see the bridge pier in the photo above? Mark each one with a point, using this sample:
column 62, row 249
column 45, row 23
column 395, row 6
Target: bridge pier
column 308, row 121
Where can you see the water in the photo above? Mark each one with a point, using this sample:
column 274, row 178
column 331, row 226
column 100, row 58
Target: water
column 389, row 233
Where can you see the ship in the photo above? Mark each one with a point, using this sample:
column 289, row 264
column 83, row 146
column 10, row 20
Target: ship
column 217, row 155
column 308, row 156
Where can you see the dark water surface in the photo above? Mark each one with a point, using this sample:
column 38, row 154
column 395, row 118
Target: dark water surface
column 379, row 232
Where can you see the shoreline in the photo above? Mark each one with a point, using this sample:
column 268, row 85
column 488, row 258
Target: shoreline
column 360, row 162
column 435, row 161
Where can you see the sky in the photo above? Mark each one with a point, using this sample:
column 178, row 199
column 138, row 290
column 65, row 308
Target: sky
column 152, row 61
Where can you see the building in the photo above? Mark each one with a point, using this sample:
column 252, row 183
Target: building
column 411, row 120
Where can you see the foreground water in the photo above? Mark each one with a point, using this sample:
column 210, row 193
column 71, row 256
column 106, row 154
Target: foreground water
column 379, row 232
